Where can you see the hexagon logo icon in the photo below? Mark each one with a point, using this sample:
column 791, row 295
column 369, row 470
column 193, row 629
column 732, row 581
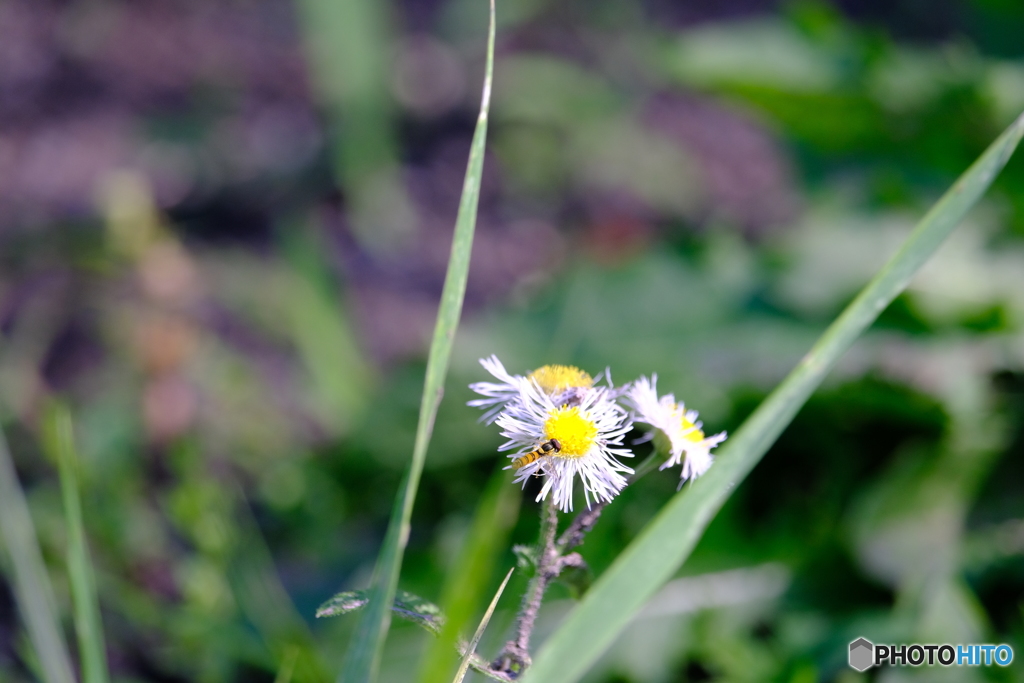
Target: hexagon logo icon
column 862, row 654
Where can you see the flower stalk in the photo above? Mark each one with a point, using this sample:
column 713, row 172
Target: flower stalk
column 563, row 425
column 515, row 657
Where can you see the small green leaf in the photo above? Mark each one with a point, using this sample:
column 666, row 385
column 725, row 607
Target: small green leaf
column 575, row 575
column 343, row 603
column 406, row 605
column 423, row 609
column 526, row 559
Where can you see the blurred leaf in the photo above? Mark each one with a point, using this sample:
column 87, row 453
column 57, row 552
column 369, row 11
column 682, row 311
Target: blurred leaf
column 547, row 90
column 994, row 318
column 653, row 557
column 284, row 673
column 265, row 601
column 471, row 572
column 367, row 645
column 58, row 438
column 767, row 53
column 471, row 648
column 575, row 575
column 905, row 315
column 323, row 335
column 347, row 45
column 412, row 607
column 30, row 580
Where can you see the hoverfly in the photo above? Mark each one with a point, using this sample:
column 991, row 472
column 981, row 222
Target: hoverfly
column 544, row 449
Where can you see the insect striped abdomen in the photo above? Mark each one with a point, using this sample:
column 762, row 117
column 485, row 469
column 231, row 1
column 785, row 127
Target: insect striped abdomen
column 544, row 449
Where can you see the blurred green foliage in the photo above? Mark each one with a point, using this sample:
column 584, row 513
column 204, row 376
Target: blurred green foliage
column 688, row 191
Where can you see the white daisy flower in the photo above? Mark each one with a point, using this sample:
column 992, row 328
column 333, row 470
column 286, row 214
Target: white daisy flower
column 564, row 383
column 496, row 394
column 686, row 441
column 559, row 441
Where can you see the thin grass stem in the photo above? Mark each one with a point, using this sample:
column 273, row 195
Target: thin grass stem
column 365, row 651
column 32, row 589
column 58, row 436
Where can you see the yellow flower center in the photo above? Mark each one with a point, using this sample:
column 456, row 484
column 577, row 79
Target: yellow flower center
column 554, row 379
column 574, row 430
column 691, row 432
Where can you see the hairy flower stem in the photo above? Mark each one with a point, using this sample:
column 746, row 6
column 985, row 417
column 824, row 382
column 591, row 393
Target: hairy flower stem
column 552, row 558
column 515, row 657
column 547, row 561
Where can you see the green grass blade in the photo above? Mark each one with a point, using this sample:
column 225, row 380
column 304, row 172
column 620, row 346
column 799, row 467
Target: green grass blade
column 32, row 590
column 471, row 648
column 59, row 440
column 468, row 579
column 363, row 659
column 654, row 556
column 322, row 331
